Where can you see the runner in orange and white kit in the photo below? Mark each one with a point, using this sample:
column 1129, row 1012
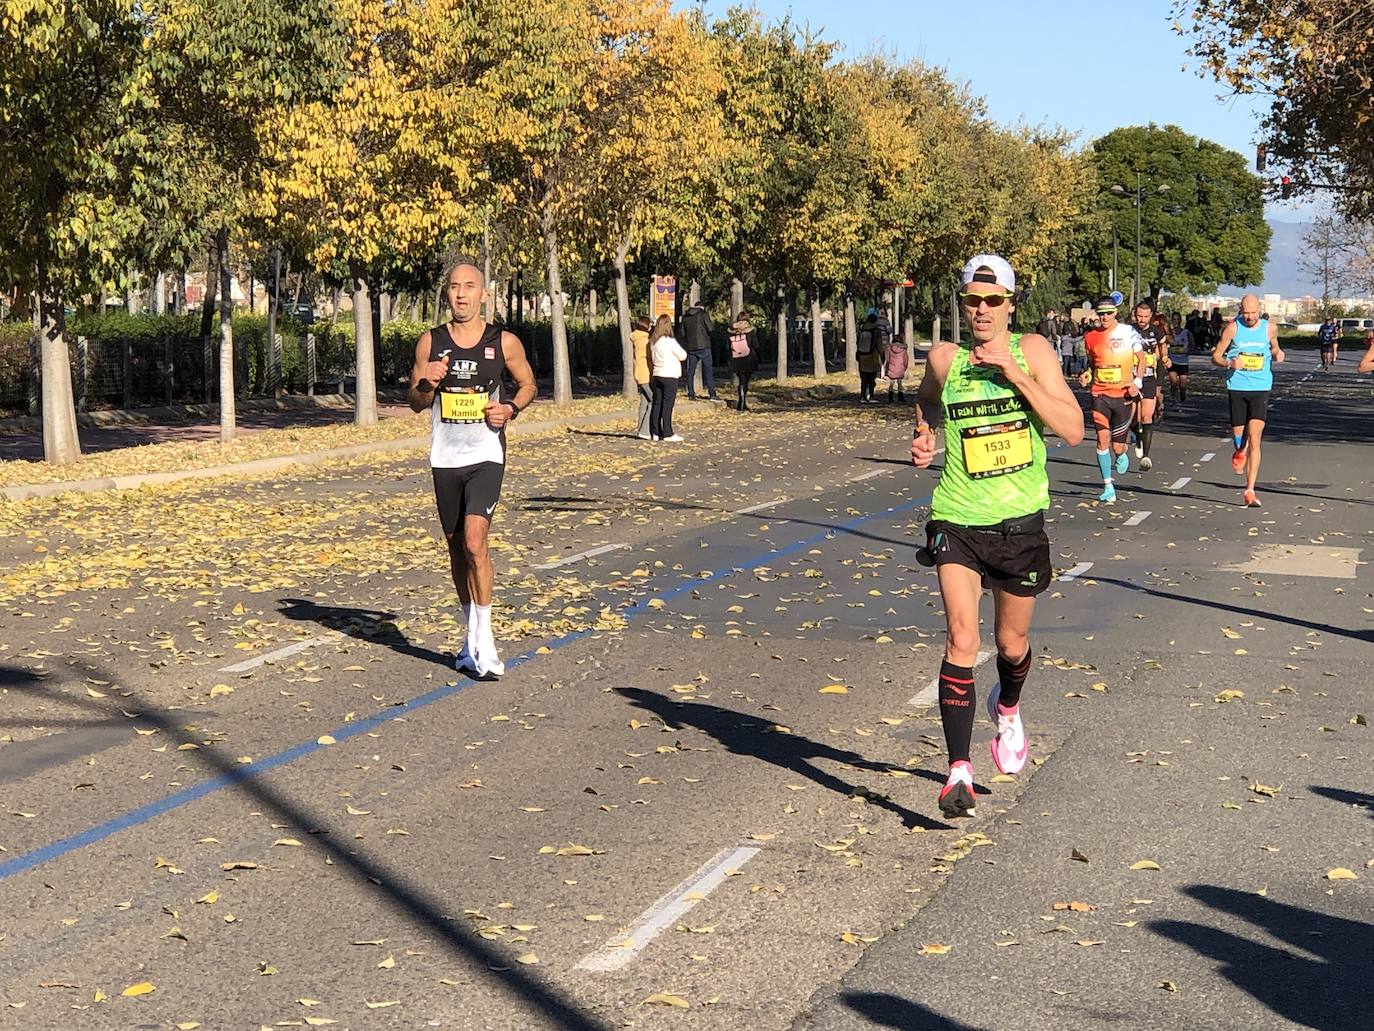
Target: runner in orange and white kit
column 459, row 376
column 1116, row 364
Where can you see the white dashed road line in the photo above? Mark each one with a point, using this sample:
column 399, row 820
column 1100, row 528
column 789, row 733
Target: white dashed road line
column 761, row 506
column 621, row 950
column 270, row 657
column 1208, row 456
column 581, row 555
column 1073, row 573
column 1180, row 483
column 1136, row 519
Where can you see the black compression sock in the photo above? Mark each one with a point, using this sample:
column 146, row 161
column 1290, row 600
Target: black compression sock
column 957, row 697
column 1013, row 677
column 1147, row 434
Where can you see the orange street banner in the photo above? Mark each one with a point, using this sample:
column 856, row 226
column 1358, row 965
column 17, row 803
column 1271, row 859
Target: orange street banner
column 662, row 296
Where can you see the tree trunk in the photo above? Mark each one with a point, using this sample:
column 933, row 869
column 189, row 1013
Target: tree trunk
column 817, row 337
column 562, row 374
column 130, row 298
column 227, row 414
column 61, row 445
column 488, row 295
column 365, row 410
column 415, row 310
column 851, row 337
column 207, row 307
column 181, row 292
column 591, row 307
column 622, row 315
column 781, row 374
column 736, row 297
column 160, row 294
column 334, row 307
column 273, row 314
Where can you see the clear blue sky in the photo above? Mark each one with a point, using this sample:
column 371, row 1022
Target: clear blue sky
column 1088, row 67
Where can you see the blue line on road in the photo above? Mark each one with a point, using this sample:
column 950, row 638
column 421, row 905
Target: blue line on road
column 141, row 815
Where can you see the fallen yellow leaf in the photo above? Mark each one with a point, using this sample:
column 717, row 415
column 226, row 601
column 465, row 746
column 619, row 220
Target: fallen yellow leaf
column 142, row 988
column 1145, row 864
column 666, row 999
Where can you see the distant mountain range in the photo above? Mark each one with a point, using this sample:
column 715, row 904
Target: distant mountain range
column 1281, row 273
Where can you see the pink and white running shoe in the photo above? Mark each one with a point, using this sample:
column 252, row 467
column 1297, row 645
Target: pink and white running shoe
column 1009, row 748
column 956, row 797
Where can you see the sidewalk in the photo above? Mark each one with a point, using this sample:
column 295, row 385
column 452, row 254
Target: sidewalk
column 95, row 439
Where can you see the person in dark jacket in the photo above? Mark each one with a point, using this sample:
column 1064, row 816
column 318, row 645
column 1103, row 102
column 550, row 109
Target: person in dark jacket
column 744, row 357
column 696, row 341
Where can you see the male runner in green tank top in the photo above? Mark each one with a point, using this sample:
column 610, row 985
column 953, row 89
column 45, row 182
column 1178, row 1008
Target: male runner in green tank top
column 987, row 528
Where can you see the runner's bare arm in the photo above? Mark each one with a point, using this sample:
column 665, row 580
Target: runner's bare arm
column 518, row 365
column 425, row 375
column 1223, row 342
column 928, row 410
column 1367, row 362
column 1275, row 351
column 1046, row 389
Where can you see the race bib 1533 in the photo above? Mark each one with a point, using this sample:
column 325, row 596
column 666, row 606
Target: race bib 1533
column 998, row 449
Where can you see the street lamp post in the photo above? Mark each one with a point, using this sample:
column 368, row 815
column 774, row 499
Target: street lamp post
column 1137, row 197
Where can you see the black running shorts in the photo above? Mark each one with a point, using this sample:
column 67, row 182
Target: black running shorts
column 1115, row 414
column 472, row 490
column 1013, row 556
column 1149, row 388
column 1247, row 405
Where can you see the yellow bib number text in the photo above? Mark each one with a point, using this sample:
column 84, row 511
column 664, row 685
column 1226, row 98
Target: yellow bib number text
column 1108, row 376
column 463, row 407
column 1250, row 362
column 997, row 450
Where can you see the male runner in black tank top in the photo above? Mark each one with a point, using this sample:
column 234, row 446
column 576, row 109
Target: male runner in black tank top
column 458, row 376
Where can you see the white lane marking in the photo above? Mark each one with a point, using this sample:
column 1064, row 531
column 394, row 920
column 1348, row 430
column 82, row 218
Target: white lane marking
column 1136, row 519
column 1074, row 573
column 581, row 555
column 280, row 653
column 1180, row 483
column 1209, row 456
column 867, row 476
column 931, row 691
column 760, row 507
column 623, row 948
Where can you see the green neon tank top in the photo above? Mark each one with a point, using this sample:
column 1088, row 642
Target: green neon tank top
column 994, row 447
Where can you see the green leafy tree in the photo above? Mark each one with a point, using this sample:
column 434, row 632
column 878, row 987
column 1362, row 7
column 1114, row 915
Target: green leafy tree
column 1208, row 228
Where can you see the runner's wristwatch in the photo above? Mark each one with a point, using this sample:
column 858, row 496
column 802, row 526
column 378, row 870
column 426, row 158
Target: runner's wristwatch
column 514, row 410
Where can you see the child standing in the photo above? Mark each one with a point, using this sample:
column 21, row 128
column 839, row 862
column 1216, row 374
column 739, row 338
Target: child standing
column 895, row 364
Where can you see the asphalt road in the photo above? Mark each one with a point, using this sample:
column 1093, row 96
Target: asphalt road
column 668, row 814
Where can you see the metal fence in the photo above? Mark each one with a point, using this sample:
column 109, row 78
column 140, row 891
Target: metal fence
column 131, row 374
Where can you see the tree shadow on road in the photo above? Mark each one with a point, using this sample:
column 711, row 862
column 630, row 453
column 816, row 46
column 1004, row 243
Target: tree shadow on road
column 1358, row 798
column 886, row 1010
column 1320, row 980
column 371, row 625
column 440, row 917
column 1209, row 603
column 755, row 738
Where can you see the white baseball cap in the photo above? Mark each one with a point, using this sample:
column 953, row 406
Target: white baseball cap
column 989, row 268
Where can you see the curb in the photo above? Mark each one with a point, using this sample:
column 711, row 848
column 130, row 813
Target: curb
column 24, row 492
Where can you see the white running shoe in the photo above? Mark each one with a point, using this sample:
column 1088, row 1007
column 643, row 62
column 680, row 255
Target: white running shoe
column 676, row 438
column 485, row 661
column 1145, row 464
column 463, row 663
column 1009, row 748
column 956, row 797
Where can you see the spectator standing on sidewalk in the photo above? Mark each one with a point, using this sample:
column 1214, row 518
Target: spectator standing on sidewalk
column 639, row 340
column 895, row 364
column 696, row 339
column 744, row 358
column 872, row 342
column 665, row 360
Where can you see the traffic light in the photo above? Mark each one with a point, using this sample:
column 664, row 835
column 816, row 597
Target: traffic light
column 1261, row 157
column 1285, row 187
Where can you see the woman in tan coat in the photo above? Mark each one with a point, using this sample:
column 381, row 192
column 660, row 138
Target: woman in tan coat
column 639, row 340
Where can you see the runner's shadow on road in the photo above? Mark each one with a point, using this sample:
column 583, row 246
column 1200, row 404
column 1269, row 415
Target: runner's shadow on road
column 370, row 625
column 887, row 1010
column 753, row 737
column 1287, row 490
column 1208, row 603
column 1330, row 991
column 435, row 910
column 1348, row 797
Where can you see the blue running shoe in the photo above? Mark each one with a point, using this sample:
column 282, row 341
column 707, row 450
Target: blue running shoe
column 1123, row 463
